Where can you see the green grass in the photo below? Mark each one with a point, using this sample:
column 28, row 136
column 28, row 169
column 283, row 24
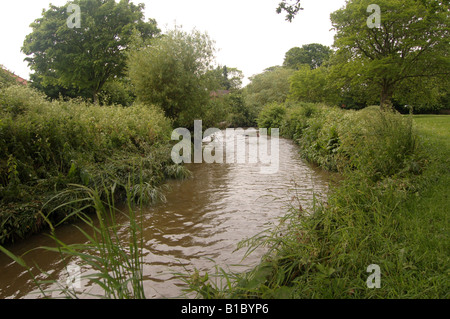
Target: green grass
column 435, row 128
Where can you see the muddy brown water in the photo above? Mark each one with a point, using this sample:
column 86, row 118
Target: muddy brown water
column 199, row 226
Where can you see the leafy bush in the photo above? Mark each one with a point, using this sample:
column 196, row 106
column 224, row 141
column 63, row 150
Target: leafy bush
column 379, row 144
column 45, row 146
column 272, row 116
column 6, row 79
column 372, row 141
column 297, row 119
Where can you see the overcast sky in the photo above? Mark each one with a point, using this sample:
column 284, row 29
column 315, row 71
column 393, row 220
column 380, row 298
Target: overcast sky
column 249, row 34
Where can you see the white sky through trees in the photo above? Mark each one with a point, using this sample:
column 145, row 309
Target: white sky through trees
column 249, row 34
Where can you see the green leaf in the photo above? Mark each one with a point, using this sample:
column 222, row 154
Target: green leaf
column 17, row 259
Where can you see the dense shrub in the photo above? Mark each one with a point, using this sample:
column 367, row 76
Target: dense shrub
column 272, row 116
column 45, row 146
column 372, row 141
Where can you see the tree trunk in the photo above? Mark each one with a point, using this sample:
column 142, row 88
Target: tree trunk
column 387, row 91
column 95, row 96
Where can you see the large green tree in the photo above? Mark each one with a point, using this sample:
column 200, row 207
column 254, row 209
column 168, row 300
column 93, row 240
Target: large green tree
column 88, row 53
column 175, row 72
column 411, row 42
column 313, row 54
column 270, row 86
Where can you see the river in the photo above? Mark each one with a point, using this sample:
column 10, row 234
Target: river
column 199, row 226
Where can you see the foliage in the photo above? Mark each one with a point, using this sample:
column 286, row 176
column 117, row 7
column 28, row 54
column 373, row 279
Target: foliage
column 87, row 57
column 116, row 263
column 55, row 91
column 410, row 43
column 117, row 91
column 240, row 114
column 6, row 79
column 291, row 7
column 423, row 95
column 369, row 141
column 271, row 86
column 174, row 72
column 313, row 54
column 272, row 116
column 44, row 146
column 312, row 86
column 229, row 79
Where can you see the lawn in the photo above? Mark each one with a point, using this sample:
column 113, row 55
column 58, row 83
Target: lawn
column 436, row 128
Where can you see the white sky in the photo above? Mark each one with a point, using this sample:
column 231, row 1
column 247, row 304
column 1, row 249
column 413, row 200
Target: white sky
column 249, row 34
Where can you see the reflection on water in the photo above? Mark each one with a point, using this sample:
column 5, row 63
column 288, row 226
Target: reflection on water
column 202, row 222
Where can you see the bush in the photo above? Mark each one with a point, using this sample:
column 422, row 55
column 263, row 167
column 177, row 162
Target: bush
column 297, row 118
column 372, row 141
column 45, row 146
column 379, row 144
column 272, row 116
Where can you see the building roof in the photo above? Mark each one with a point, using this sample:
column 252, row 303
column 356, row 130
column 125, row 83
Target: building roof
column 220, row 93
column 18, row 78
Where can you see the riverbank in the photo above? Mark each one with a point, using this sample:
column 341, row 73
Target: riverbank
column 391, row 210
column 46, row 148
column 199, row 226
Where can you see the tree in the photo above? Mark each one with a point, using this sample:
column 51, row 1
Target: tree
column 56, row 91
column 410, row 43
column 270, row 86
column 314, row 55
column 311, row 85
column 175, row 72
column 229, row 79
column 88, row 55
column 427, row 96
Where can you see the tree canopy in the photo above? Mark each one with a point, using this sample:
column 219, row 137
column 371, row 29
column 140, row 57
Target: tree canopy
column 175, row 72
column 411, row 43
column 270, row 86
column 313, row 54
column 88, row 54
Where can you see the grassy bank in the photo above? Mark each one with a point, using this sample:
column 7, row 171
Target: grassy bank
column 45, row 147
column 390, row 210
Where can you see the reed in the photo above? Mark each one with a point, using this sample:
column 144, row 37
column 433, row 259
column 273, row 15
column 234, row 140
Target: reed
column 112, row 255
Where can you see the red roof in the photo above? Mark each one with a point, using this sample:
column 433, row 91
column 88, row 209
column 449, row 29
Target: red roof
column 18, row 78
column 219, row 93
